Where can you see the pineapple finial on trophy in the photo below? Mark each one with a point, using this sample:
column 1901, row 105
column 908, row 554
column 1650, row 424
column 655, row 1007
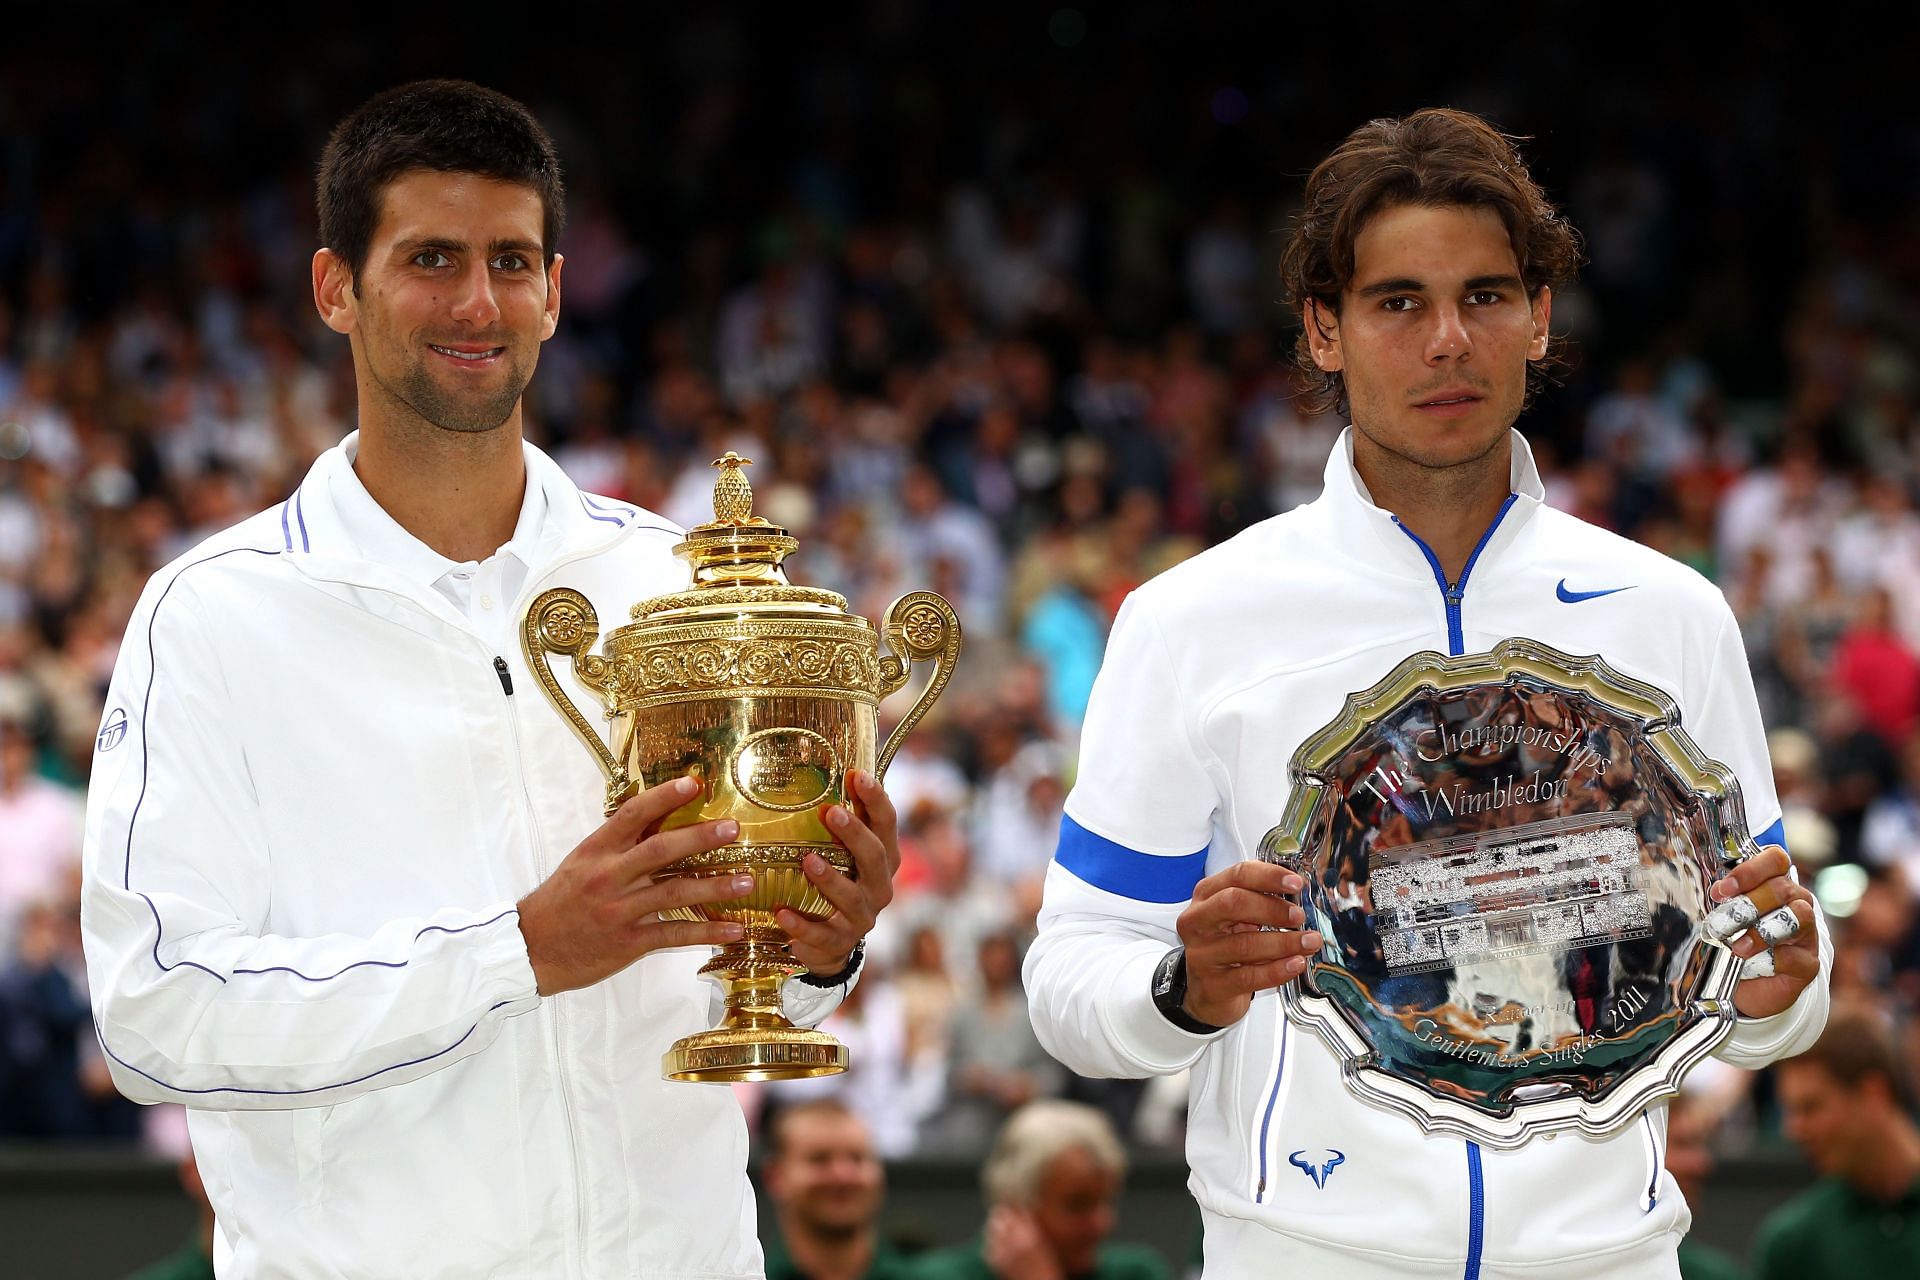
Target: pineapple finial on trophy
column 732, row 495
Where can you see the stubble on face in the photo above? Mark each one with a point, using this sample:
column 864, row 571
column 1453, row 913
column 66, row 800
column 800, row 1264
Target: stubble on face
column 1412, row 456
column 412, row 386
column 404, row 311
column 1436, row 308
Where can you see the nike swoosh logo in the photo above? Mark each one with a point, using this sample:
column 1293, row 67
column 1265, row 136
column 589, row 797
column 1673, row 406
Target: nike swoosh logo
column 1575, row 597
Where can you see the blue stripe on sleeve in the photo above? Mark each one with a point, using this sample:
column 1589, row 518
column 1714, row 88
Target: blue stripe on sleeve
column 1775, row 834
column 1144, row 877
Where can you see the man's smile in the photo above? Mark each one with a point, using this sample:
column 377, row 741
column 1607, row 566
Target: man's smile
column 467, row 353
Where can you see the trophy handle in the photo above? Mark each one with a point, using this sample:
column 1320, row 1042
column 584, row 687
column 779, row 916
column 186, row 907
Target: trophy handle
column 563, row 621
column 918, row 626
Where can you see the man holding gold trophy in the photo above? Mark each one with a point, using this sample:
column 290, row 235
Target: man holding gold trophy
column 356, row 895
column 1445, row 874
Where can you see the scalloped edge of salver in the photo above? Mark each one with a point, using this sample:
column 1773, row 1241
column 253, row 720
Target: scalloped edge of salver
column 1520, row 1120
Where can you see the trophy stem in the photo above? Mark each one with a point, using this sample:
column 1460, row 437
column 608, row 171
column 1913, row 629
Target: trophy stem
column 755, row 1041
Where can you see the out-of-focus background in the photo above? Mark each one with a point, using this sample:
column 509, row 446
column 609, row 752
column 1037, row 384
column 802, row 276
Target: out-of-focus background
column 989, row 293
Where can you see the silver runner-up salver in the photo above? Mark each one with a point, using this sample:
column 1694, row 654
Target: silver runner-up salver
column 1508, row 855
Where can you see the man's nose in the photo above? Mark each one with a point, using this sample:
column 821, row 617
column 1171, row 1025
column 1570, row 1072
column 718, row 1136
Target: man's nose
column 1448, row 337
column 473, row 300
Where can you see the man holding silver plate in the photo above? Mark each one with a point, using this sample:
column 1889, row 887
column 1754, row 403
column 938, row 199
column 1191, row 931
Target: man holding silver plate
column 1443, row 881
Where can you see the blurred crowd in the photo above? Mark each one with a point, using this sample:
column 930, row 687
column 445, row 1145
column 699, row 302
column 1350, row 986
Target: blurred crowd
column 1022, row 367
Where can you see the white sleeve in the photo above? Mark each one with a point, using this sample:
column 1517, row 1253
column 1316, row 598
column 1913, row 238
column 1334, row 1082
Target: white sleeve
column 193, row 1000
column 808, row 1006
column 802, row 1003
column 1726, row 724
column 1133, row 845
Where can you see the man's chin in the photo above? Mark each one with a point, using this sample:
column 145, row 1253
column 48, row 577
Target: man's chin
column 464, row 410
column 1081, row 1265
column 451, row 414
column 835, row 1225
column 1461, row 452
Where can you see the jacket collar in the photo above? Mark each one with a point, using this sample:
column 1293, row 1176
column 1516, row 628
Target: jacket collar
column 1358, row 521
column 328, row 534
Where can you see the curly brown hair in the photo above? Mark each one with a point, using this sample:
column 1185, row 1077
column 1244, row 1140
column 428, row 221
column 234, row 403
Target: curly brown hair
column 1438, row 157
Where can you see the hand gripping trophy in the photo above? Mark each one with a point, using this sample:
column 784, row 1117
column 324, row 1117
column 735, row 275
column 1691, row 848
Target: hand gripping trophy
column 768, row 693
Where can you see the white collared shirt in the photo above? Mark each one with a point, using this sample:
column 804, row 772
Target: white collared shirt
column 483, row 591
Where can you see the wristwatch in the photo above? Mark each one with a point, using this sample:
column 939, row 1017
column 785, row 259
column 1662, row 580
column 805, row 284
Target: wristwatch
column 1170, row 994
column 840, row 979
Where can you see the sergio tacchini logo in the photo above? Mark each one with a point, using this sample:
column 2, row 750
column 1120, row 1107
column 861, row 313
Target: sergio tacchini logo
column 114, row 731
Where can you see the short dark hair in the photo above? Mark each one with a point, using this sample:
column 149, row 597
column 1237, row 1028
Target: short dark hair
column 783, row 1117
column 1439, row 158
column 442, row 126
column 1857, row 1043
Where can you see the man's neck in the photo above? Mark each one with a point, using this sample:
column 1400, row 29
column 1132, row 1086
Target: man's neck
column 1448, row 508
column 457, row 492
column 831, row 1255
column 1893, row 1167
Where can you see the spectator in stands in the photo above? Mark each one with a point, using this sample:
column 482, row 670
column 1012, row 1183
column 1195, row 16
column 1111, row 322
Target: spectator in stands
column 939, row 531
column 1690, row 1160
column 826, row 1183
column 1877, row 669
column 1890, row 832
column 1848, row 1103
column 1052, row 1182
column 997, row 1064
column 1884, row 934
column 43, row 1013
column 40, row 828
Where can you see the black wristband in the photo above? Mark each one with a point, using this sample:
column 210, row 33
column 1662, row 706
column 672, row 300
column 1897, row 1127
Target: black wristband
column 844, row 976
column 1170, row 994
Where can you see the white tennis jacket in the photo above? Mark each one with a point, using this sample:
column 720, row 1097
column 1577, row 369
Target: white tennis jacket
column 1215, row 673
column 317, row 795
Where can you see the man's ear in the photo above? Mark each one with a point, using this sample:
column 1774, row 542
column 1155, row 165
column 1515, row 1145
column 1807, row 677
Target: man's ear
column 551, row 321
column 1542, row 309
column 333, row 295
column 1322, row 324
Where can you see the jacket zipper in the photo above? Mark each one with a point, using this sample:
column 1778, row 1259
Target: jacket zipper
column 1266, row 1117
column 1455, row 593
column 559, row 1020
column 1477, row 1221
column 1656, row 1162
column 533, row 824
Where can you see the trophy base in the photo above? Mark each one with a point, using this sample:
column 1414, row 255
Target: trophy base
column 754, row 1041
column 727, row 1057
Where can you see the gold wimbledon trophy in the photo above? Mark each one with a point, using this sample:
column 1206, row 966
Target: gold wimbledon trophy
column 768, row 693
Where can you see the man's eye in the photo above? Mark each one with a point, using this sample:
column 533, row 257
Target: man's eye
column 510, row 262
column 432, row 258
column 1483, row 297
column 1397, row 304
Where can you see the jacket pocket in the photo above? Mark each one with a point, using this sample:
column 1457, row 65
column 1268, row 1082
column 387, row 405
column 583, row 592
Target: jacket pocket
column 1566, row 1195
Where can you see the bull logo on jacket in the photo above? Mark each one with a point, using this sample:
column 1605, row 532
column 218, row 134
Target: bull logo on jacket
column 1322, row 1170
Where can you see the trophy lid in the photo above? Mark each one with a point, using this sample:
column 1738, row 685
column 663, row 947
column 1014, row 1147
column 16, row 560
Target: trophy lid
column 736, row 557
